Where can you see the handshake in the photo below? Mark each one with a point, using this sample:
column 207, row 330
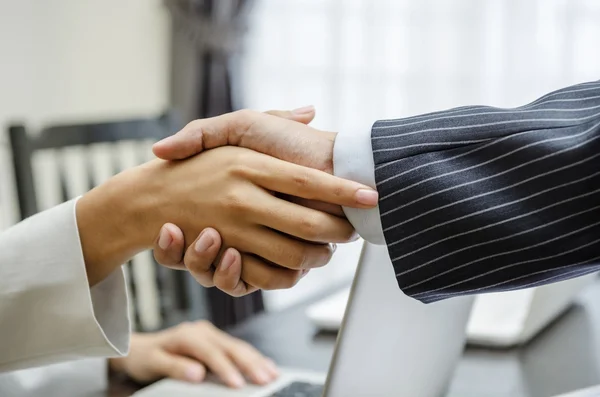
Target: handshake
column 256, row 211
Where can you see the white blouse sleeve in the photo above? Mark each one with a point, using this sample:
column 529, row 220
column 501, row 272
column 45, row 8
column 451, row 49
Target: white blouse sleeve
column 48, row 312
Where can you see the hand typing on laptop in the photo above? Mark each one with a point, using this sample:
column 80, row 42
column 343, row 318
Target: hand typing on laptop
column 189, row 351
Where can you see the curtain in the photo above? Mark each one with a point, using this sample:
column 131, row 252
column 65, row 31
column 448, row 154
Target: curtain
column 206, row 34
column 362, row 60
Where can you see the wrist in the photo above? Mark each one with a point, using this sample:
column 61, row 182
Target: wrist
column 113, row 223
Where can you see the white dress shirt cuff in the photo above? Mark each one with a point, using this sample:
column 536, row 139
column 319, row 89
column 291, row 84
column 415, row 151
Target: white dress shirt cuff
column 353, row 160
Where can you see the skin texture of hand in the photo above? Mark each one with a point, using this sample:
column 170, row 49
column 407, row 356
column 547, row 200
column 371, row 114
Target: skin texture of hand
column 229, row 189
column 227, row 279
column 273, row 133
column 277, row 133
column 188, row 351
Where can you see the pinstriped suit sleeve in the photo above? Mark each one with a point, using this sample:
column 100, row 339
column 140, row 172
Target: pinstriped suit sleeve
column 481, row 199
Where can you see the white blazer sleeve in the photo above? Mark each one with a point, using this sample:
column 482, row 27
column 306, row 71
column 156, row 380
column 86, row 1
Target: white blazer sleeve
column 48, row 313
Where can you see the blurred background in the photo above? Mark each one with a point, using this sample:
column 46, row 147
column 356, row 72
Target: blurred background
column 80, row 62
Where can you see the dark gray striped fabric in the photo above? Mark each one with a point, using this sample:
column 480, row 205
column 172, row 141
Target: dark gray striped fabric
column 481, row 199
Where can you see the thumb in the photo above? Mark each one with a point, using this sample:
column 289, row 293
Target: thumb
column 192, row 139
column 179, row 367
column 302, row 115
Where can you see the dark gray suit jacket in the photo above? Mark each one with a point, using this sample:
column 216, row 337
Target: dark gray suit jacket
column 481, row 199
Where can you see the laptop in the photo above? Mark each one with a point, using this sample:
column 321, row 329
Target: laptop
column 501, row 320
column 388, row 345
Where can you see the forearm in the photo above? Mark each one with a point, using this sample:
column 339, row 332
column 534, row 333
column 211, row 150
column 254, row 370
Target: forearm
column 62, row 294
column 484, row 199
column 116, row 221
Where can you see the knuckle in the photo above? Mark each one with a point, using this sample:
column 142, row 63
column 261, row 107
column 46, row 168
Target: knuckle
column 209, row 254
column 241, row 167
column 205, row 280
column 236, row 292
column 204, row 324
column 169, row 262
column 243, row 345
column 271, row 281
column 244, row 118
column 194, row 128
column 293, row 279
column 227, row 285
column 274, row 112
column 268, row 283
column 185, row 326
column 338, row 191
column 239, row 123
column 192, row 125
column 204, row 276
column 316, row 256
column 245, row 114
column 301, row 180
column 193, row 262
column 246, row 349
column 234, row 200
column 298, row 258
column 326, row 257
column 311, row 226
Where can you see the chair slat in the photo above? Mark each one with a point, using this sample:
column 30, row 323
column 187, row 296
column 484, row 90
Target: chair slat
column 65, row 161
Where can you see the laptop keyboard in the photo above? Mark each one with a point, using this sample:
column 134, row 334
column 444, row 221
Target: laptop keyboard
column 300, row 389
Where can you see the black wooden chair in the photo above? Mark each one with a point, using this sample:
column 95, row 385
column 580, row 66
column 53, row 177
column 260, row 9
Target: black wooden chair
column 176, row 295
column 155, row 290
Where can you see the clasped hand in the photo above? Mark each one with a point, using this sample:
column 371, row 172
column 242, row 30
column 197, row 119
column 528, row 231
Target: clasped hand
column 265, row 221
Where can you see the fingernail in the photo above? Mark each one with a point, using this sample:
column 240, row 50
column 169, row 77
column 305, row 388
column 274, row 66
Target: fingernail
column 237, row 380
column 164, row 238
column 205, row 241
column 333, row 247
column 304, row 272
column 304, row 110
column 194, row 373
column 355, row 236
column 227, row 261
column 366, row 197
